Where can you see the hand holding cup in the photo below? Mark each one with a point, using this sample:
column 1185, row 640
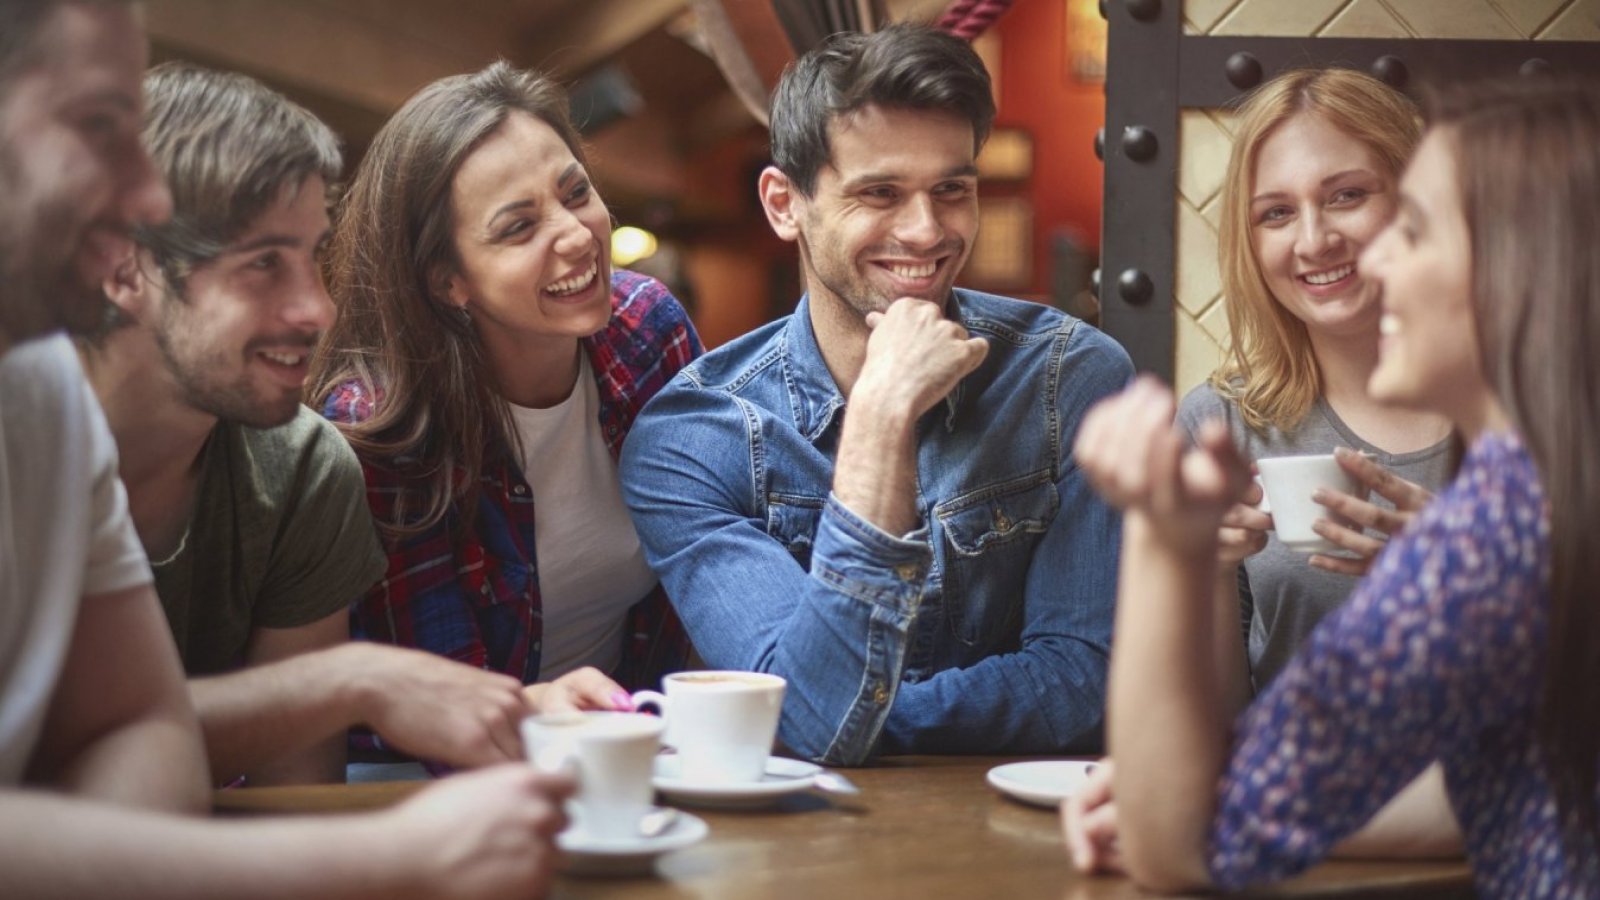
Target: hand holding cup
column 1408, row 499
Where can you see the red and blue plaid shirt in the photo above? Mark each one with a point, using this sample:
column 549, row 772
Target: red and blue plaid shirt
column 473, row 594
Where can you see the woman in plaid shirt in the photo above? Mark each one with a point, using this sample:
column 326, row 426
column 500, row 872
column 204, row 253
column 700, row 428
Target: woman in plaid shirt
column 485, row 354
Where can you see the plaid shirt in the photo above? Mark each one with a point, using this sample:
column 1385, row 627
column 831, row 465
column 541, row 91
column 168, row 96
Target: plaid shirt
column 473, row 595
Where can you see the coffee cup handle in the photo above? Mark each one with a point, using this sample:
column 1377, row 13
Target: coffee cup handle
column 559, row 759
column 641, row 699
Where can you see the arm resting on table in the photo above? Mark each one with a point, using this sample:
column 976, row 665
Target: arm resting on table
column 120, row 727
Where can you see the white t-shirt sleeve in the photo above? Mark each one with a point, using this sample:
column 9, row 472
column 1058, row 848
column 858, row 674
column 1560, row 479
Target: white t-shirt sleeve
column 116, row 560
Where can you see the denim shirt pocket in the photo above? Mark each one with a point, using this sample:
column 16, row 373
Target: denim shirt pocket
column 991, row 533
column 792, row 521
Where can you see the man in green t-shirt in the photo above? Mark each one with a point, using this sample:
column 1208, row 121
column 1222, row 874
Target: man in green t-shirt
column 251, row 507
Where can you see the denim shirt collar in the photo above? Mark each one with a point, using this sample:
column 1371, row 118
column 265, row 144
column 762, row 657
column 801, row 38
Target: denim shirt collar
column 813, row 394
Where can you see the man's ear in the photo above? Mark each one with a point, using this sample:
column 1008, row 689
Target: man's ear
column 128, row 287
column 782, row 201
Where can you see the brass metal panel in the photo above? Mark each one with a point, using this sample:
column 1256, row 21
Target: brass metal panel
column 1464, row 19
column 1200, row 16
column 1366, row 19
column 1530, row 17
column 1198, row 354
column 1275, row 18
column 1196, row 282
column 1580, row 21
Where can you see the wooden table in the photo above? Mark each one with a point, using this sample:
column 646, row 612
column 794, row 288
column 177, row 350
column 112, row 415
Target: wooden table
column 924, row 828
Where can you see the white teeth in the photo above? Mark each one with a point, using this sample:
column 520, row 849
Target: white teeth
column 575, row 283
column 285, row 359
column 1388, row 324
column 1332, row 275
column 907, row 271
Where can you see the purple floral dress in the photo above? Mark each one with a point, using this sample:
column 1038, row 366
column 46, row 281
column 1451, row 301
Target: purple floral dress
column 1438, row 655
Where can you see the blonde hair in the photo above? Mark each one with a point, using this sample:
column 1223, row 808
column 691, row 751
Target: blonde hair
column 1270, row 372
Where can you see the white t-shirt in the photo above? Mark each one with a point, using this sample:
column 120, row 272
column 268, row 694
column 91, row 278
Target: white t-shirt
column 65, row 533
column 591, row 567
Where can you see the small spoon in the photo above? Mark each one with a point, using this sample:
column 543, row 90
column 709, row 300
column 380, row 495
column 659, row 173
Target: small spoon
column 834, row 783
column 657, row 821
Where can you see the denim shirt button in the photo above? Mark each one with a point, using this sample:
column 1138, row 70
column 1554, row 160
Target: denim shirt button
column 880, row 695
column 909, row 572
column 1002, row 522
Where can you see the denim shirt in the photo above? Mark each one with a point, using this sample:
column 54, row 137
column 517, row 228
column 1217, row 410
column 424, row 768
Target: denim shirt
column 985, row 630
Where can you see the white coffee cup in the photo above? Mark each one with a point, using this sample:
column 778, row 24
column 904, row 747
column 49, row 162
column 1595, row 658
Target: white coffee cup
column 1289, row 482
column 613, row 755
column 721, row 723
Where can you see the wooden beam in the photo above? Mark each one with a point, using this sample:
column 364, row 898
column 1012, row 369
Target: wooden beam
column 308, row 45
column 597, row 33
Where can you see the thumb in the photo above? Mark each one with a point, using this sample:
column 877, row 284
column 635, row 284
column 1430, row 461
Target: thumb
column 873, row 318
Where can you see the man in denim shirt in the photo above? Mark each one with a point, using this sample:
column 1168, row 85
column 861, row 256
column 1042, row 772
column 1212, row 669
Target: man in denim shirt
column 874, row 497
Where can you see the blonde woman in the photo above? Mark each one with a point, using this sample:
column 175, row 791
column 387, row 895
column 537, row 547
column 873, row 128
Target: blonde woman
column 1312, row 180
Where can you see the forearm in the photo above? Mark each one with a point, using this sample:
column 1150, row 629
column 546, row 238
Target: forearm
column 1048, row 697
column 61, row 847
column 120, row 727
column 283, row 722
column 1417, row 823
column 837, row 633
column 154, row 764
column 1167, row 725
column 875, row 471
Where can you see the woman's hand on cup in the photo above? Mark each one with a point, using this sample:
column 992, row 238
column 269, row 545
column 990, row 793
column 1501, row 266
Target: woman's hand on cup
column 1089, row 824
column 1408, row 498
column 581, row 689
column 1137, row 460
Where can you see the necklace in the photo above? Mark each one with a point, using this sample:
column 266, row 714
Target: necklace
column 183, row 541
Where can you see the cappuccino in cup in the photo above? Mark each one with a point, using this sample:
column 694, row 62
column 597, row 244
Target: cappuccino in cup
column 722, row 724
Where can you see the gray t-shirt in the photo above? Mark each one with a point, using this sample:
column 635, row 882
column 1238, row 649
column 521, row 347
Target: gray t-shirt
column 281, row 537
column 1283, row 597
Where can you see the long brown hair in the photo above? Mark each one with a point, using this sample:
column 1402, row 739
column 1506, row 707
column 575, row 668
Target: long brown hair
column 1528, row 164
column 435, row 408
column 1270, row 372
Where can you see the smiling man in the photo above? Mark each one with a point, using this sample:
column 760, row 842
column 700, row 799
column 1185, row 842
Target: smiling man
column 874, row 497
column 251, row 507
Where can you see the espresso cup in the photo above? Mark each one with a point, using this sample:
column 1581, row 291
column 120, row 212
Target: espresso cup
column 721, row 723
column 612, row 754
column 1289, row 482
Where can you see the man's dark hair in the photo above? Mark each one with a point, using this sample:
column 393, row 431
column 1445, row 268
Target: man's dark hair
column 24, row 34
column 903, row 66
column 227, row 146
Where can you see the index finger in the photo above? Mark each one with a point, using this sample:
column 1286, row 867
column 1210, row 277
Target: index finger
column 1362, row 512
column 1402, row 493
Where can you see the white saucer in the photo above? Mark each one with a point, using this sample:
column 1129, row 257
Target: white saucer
column 627, row 856
column 1041, row 783
column 782, row 777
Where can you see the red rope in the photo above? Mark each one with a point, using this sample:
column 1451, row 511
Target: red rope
column 966, row 19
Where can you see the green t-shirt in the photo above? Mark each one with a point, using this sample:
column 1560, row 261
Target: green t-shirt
column 281, row 537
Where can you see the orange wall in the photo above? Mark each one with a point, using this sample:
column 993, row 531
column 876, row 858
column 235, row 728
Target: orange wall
column 730, row 283
column 1062, row 114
